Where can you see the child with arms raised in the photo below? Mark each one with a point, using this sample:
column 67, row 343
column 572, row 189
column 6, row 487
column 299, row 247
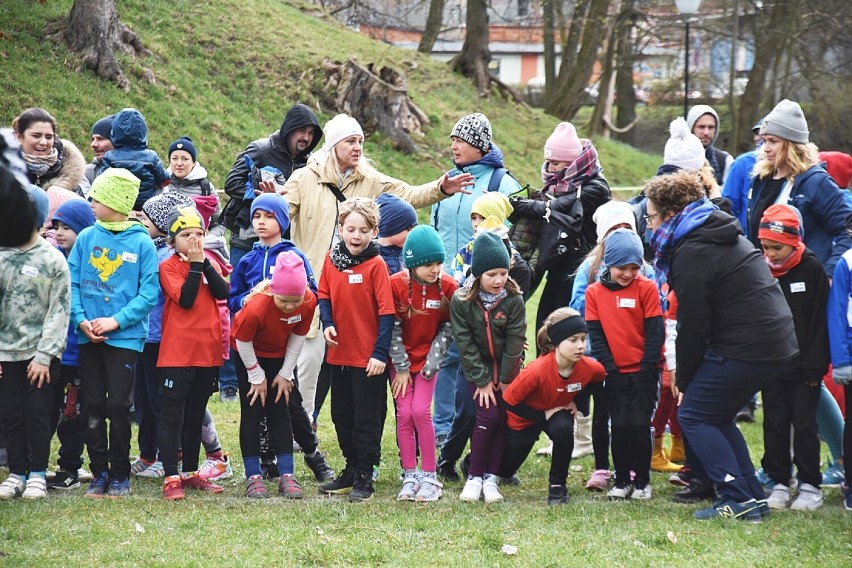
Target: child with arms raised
column 625, row 322
column 541, row 399
column 268, row 335
column 355, row 290
column 422, row 334
column 489, row 325
column 34, row 314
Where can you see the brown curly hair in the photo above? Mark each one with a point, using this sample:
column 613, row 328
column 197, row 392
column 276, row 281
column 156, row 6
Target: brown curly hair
column 673, row 192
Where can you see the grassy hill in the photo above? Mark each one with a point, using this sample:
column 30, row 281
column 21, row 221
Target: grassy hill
column 228, row 70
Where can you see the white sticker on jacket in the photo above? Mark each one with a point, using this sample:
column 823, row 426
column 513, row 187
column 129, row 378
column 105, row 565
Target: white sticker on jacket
column 433, row 304
column 356, row 278
column 797, row 287
column 294, row 319
column 574, row 387
column 626, row 302
column 29, row 271
column 128, row 257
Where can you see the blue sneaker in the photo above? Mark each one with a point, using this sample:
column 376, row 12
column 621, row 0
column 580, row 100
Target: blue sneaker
column 119, row 488
column 847, row 501
column 763, row 478
column 833, row 476
column 748, row 511
column 99, row 485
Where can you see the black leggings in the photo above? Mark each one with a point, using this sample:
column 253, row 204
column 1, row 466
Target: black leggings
column 277, row 413
column 560, row 429
column 600, row 421
column 182, row 414
column 25, row 417
column 631, row 402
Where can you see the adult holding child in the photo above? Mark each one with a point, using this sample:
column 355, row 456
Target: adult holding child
column 735, row 332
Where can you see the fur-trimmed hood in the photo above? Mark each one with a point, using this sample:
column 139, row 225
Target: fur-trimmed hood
column 72, row 171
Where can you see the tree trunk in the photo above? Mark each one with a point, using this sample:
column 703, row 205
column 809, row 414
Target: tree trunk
column 625, row 57
column 573, row 80
column 472, row 60
column 772, row 40
column 92, row 30
column 549, row 49
column 434, row 21
column 603, row 106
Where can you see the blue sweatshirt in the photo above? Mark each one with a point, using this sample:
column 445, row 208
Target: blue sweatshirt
column 155, row 318
column 256, row 266
column 114, row 274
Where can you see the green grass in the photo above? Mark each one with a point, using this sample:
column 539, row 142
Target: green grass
column 70, row 530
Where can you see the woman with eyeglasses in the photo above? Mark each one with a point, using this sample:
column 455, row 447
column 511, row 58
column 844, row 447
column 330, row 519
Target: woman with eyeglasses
column 735, row 332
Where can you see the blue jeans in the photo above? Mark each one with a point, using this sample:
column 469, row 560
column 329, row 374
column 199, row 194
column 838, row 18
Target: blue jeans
column 444, row 410
column 830, row 423
column 464, row 421
column 227, row 374
column 719, row 389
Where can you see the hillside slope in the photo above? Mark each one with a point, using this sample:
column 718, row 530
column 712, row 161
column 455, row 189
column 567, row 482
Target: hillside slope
column 227, row 71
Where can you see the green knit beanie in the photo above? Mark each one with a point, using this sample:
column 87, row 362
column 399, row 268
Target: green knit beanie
column 422, row 246
column 489, row 253
column 116, row 188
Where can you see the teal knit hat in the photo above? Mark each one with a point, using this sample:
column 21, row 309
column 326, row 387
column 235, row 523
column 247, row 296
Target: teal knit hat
column 489, row 253
column 422, row 246
column 116, row 188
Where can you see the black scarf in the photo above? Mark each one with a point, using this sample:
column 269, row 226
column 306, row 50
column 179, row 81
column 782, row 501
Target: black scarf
column 342, row 259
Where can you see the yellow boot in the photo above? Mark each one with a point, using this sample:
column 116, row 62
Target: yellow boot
column 677, row 453
column 659, row 462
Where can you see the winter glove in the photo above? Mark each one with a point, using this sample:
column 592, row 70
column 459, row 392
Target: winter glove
column 842, row 375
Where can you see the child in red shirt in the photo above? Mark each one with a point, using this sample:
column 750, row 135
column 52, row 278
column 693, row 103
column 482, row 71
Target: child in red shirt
column 269, row 333
column 355, row 297
column 541, row 399
column 625, row 322
column 190, row 350
column 421, row 336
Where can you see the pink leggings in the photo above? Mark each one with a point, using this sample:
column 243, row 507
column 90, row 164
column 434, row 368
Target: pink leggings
column 414, row 412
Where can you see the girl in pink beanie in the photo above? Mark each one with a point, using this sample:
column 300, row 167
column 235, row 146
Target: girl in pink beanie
column 268, row 334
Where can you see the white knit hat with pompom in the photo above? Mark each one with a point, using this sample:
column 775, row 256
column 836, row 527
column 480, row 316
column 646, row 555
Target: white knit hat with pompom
column 683, row 150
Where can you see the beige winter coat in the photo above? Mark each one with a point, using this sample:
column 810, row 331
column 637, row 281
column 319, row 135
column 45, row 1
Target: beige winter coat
column 313, row 206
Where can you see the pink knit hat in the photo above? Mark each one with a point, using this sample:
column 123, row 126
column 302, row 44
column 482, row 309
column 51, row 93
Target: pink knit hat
column 206, row 205
column 288, row 276
column 563, row 145
column 56, row 196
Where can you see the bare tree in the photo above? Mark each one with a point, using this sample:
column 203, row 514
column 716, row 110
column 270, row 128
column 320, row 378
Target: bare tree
column 548, row 28
column 433, row 26
column 472, row 61
column 93, row 30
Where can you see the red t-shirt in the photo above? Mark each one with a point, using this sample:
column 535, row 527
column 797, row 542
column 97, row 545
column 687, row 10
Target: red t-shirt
column 622, row 314
column 540, row 386
column 193, row 337
column 358, row 295
column 419, row 330
column 268, row 328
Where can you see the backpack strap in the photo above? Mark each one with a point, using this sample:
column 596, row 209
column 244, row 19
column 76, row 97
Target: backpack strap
column 205, row 187
column 337, row 192
column 496, row 178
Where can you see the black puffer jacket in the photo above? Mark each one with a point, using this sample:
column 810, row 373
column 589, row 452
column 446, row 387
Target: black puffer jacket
column 271, row 151
column 728, row 302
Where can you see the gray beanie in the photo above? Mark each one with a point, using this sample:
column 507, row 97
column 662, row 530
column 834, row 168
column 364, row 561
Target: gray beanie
column 786, row 121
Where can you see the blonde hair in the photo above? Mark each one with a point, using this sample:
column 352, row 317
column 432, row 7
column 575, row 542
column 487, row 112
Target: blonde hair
column 542, row 338
column 366, row 167
column 366, row 207
column 264, row 287
column 708, row 180
column 799, row 158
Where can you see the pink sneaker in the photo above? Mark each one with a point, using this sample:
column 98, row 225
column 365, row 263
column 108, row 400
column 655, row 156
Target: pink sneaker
column 599, row 481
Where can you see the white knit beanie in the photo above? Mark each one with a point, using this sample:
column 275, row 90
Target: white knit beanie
column 683, row 150
column 612, row 214
column 786, row 121
column 339, row 128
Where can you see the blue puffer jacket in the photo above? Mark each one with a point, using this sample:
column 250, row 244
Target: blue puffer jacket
column 256, row 266
column 826, row 215
column 130, row 143
column 451, row 217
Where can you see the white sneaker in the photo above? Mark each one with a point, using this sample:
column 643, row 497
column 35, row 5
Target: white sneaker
column 410, row 487
column 545, row 451
column 12, row 487
column 643, row 494
column 620, row 492
column 36, row 488
column 84, row 475
column 809, row 498
column 430, row 489
column 780, row 497
column 153, row 471
column 472, row 490
column 490, row 490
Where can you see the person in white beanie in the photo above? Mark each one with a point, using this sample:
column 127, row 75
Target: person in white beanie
column 788, row 171
column 703, row 122
column 338, row 172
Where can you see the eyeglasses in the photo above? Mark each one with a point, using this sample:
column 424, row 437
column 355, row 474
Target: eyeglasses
column 650, row 216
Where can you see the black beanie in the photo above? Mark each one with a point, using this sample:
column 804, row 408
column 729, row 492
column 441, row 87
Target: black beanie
column 489, row 253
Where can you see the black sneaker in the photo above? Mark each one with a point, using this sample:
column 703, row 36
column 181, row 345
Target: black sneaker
column 698, row 490
column 447, row 471
column 557, row 495
column 341, row 485
column 746, row 414
column 269, row 470
column 318, row 465
column 465, row 466
column 512, row 480
column 63, row 481
column 363, row 488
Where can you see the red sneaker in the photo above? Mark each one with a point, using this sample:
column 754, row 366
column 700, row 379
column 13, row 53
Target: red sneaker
column 173, row 488
column 193, row 481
